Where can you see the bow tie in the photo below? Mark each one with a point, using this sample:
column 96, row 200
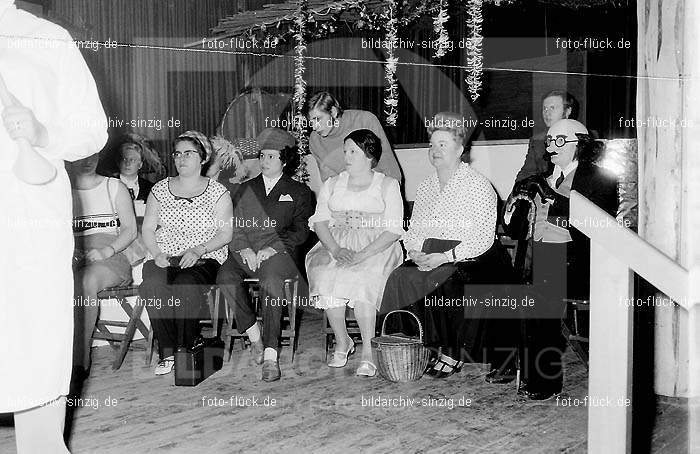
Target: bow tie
column 177, row 197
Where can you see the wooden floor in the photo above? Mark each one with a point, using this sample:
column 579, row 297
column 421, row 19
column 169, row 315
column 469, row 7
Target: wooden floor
column 318, row 409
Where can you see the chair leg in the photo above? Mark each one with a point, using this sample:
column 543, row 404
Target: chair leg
column 290, row 293
column 574, row 344
column 326, row 336
column 134, row 317
column 148, row 356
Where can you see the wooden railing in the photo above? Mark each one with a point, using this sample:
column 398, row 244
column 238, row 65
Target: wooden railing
column 617, row 252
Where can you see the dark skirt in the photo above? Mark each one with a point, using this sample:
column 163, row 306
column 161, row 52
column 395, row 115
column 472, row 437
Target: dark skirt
column 450, row 303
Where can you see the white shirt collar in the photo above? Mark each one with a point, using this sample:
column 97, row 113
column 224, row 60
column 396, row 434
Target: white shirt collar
column 270, row 183
column 129, row 181
column 573, row 165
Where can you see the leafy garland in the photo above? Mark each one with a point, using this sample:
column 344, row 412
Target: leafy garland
column 391, row 101
column 300, row 21
column 442, row 42
column 473, row 47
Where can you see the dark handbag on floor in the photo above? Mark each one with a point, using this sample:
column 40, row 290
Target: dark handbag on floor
column 193, row 365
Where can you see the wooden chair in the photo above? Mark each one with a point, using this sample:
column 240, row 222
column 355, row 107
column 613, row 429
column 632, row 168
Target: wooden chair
column 289, row 322
column 350, row 325
column 572, row 328
column 120, row 341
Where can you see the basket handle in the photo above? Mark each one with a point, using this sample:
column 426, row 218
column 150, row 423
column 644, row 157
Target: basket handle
column 420, row 327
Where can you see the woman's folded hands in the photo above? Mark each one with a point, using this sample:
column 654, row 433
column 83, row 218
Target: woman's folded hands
column 346, row 258
column 427, row 262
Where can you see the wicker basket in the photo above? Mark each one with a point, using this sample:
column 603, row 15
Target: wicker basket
column 400, row 358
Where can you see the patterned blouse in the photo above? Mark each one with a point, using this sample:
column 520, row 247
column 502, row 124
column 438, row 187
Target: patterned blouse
column 184, row 223
column 464, row 210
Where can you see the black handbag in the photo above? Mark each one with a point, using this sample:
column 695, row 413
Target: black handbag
column 193, row 365
column 438, row 245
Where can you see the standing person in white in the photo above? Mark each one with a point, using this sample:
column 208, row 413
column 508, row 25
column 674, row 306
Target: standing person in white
column 51, row 112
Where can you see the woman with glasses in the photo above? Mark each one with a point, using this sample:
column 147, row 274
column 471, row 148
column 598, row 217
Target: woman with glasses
column 186, row 229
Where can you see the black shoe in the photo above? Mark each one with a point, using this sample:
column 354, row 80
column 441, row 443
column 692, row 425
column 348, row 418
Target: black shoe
column 541, row 395
column 500, row 377
column 271, row 370
column 443, row 369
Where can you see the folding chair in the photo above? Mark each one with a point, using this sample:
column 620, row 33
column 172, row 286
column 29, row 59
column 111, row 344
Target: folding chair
column 289, row 322
column 102, row 328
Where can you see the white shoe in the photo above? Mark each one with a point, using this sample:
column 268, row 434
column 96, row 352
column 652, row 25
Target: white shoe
column 366, row 369
column 340, row 359
column 165, row 366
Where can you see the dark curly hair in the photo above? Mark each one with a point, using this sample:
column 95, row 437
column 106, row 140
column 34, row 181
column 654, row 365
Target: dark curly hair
column 368, row 142
column 290, row 159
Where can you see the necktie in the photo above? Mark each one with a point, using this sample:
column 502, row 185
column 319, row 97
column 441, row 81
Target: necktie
column 559, row 181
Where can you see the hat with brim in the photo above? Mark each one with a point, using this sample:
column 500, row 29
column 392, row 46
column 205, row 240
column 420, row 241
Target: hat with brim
column 274, row 139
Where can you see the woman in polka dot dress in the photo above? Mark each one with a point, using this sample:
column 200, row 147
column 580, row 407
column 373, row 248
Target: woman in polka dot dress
column 186, row 228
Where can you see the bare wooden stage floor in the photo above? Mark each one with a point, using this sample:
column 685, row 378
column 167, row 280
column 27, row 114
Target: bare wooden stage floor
column 317, row 409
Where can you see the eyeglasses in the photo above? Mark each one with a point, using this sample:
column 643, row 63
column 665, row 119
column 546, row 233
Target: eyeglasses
column 184, row 154
column 559, row 141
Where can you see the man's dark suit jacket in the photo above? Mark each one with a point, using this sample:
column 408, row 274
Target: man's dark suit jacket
column 279, row 220
column 535, row 160
column 600, row 186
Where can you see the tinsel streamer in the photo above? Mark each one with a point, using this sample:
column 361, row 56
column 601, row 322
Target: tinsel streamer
column 299, row 129
column 442, row 42
column 391, row 98
column 474, row 57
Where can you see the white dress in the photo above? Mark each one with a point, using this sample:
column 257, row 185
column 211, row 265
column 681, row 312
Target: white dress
column 355, row 219
column 36, row 241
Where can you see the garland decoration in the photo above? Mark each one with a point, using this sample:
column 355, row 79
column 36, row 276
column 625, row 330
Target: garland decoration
column 299, row 124
column 474, row 57
column 442, row 42
column 391, row 101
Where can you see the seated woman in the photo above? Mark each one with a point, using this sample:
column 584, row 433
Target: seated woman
column 103, row 226
column 186, row 229
column 133, row 152
column 358, row 221
column 450, row 243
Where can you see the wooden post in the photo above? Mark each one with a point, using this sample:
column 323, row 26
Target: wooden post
column 610, row 373
column 669, row 167
column 691, row 139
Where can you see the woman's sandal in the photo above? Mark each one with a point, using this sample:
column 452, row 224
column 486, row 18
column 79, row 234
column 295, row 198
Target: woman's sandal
column 366, row 369
column 340, row 359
